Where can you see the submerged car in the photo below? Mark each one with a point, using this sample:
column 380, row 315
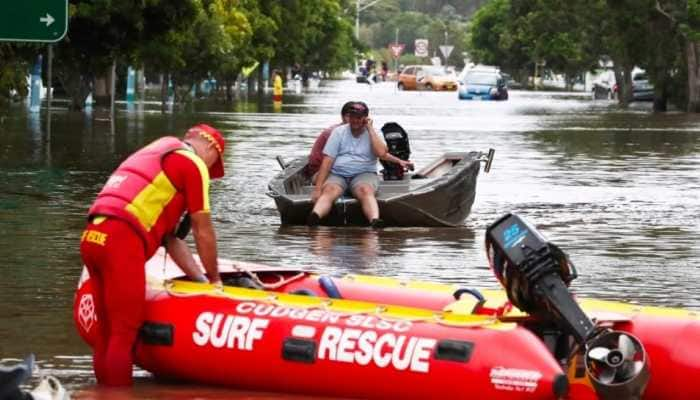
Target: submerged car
column 482, row 85
column 426, row 77
column 642, row 90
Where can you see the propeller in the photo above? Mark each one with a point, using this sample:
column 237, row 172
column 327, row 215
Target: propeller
column 617, row 360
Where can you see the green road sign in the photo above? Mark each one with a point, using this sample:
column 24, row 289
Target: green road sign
column 33, row 20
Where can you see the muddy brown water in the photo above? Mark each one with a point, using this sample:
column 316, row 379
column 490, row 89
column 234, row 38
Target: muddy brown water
column 618, row 190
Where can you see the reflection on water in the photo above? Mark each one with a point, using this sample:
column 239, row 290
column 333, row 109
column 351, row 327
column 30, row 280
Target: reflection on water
column 618, row 190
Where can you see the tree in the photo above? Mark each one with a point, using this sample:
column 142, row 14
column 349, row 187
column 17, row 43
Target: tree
column 219, row 29
column 314, row 34
column 496, row 39
column 103, row 32
column 13, row 70
column 691, row 31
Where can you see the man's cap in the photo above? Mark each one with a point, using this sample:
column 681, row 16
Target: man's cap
column 212, row 135
column 359, row 108
column 346, row 108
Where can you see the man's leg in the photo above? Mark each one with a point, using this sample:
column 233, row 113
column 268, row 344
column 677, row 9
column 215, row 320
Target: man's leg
column 364, row 187
column 332, row 189
column 99, row 351
column 121, row 262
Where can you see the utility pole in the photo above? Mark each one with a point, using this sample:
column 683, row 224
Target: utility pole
column 357, row 21
column 360, row 7
column 396, row 59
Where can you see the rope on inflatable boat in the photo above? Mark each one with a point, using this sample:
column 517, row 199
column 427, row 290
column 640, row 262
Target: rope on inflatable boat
column 268, row 286
column 381, row 311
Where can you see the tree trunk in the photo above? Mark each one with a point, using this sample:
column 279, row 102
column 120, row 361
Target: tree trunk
column 260, row 81
column 229, row 91
column 76, row 86
column 627, row 79
column 163, row 92
column 624, row 90
column 661, row 86
column 693, row 54
column 101, row 94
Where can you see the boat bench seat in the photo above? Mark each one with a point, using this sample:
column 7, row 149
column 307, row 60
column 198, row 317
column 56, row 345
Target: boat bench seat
column 392, row 187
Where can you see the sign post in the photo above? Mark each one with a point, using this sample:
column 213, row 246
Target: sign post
column 396, row 50
column 446, row 50
column 34, row 21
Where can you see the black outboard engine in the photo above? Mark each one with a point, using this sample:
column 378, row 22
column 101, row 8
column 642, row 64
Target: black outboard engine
column 536, row 274
column 396, row 140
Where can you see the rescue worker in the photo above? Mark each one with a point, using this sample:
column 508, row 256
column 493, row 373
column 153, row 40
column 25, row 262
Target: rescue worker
column 136, row 212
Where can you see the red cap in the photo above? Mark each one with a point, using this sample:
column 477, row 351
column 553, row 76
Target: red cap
column 213, row 136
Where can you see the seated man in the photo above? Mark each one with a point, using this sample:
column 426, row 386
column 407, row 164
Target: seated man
column 316, row 155
column 350, row 161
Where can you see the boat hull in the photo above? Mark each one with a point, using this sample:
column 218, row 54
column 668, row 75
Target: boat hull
column 420, row 339
column 442, row 201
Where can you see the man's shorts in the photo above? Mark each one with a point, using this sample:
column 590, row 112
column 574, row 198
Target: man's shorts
column 367, row 178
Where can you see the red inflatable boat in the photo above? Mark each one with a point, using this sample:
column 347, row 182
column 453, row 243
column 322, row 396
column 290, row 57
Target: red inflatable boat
column 292, row 331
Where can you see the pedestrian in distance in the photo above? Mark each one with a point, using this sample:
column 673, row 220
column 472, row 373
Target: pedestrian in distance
column 316, row 155
column 137, row 211
column 277, row 86
column 350, row 162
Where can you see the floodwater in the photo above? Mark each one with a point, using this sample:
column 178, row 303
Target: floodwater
column 618, row 190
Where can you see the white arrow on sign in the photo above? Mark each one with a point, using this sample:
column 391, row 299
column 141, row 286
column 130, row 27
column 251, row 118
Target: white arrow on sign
column 446, row 50
column 48, row 19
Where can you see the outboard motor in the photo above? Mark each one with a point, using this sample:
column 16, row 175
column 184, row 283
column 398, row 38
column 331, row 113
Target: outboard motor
column 536, row 274
column 396, row 140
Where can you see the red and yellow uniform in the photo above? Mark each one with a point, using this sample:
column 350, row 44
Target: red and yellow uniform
column 142, row 201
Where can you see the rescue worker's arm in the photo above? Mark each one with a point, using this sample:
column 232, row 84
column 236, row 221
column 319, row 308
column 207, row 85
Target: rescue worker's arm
column 181, row 254
column 205, row 240
column 323, row 173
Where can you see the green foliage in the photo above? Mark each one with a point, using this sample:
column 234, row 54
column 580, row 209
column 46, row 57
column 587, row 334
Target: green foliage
column 13, row 72
column 691, row 27
column 312, row 33
column 218, row 30
column 490, row 39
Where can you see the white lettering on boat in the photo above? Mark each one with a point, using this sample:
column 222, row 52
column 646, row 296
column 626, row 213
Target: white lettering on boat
column 515, row 380
column 230, row 331
column 365, row 347
column 276, row 311
column 372, row 322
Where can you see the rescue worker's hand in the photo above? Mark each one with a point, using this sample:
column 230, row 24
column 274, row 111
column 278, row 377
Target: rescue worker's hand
column 218, row 286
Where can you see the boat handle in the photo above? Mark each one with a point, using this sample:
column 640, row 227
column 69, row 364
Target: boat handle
column 283, row 164
column 488, row 159
column 272, row 194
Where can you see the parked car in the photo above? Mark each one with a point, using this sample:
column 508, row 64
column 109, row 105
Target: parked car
column 482, row 85
column 510, row 82
column 426, row 77
column 642, row 90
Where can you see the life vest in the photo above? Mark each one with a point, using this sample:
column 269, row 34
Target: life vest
column 138, row 192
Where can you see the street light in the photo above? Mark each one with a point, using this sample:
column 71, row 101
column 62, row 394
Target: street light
column 361, row 7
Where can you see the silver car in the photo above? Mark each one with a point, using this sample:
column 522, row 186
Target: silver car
column 642, row 90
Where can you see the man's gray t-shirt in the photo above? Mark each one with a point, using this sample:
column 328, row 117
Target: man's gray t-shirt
column 352, row 156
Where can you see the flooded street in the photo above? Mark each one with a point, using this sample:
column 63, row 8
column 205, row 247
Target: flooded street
column 618, row 190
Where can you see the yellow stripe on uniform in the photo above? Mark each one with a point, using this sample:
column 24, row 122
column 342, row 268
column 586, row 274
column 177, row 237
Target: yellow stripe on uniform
column 150, row 202
column 203, row 172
